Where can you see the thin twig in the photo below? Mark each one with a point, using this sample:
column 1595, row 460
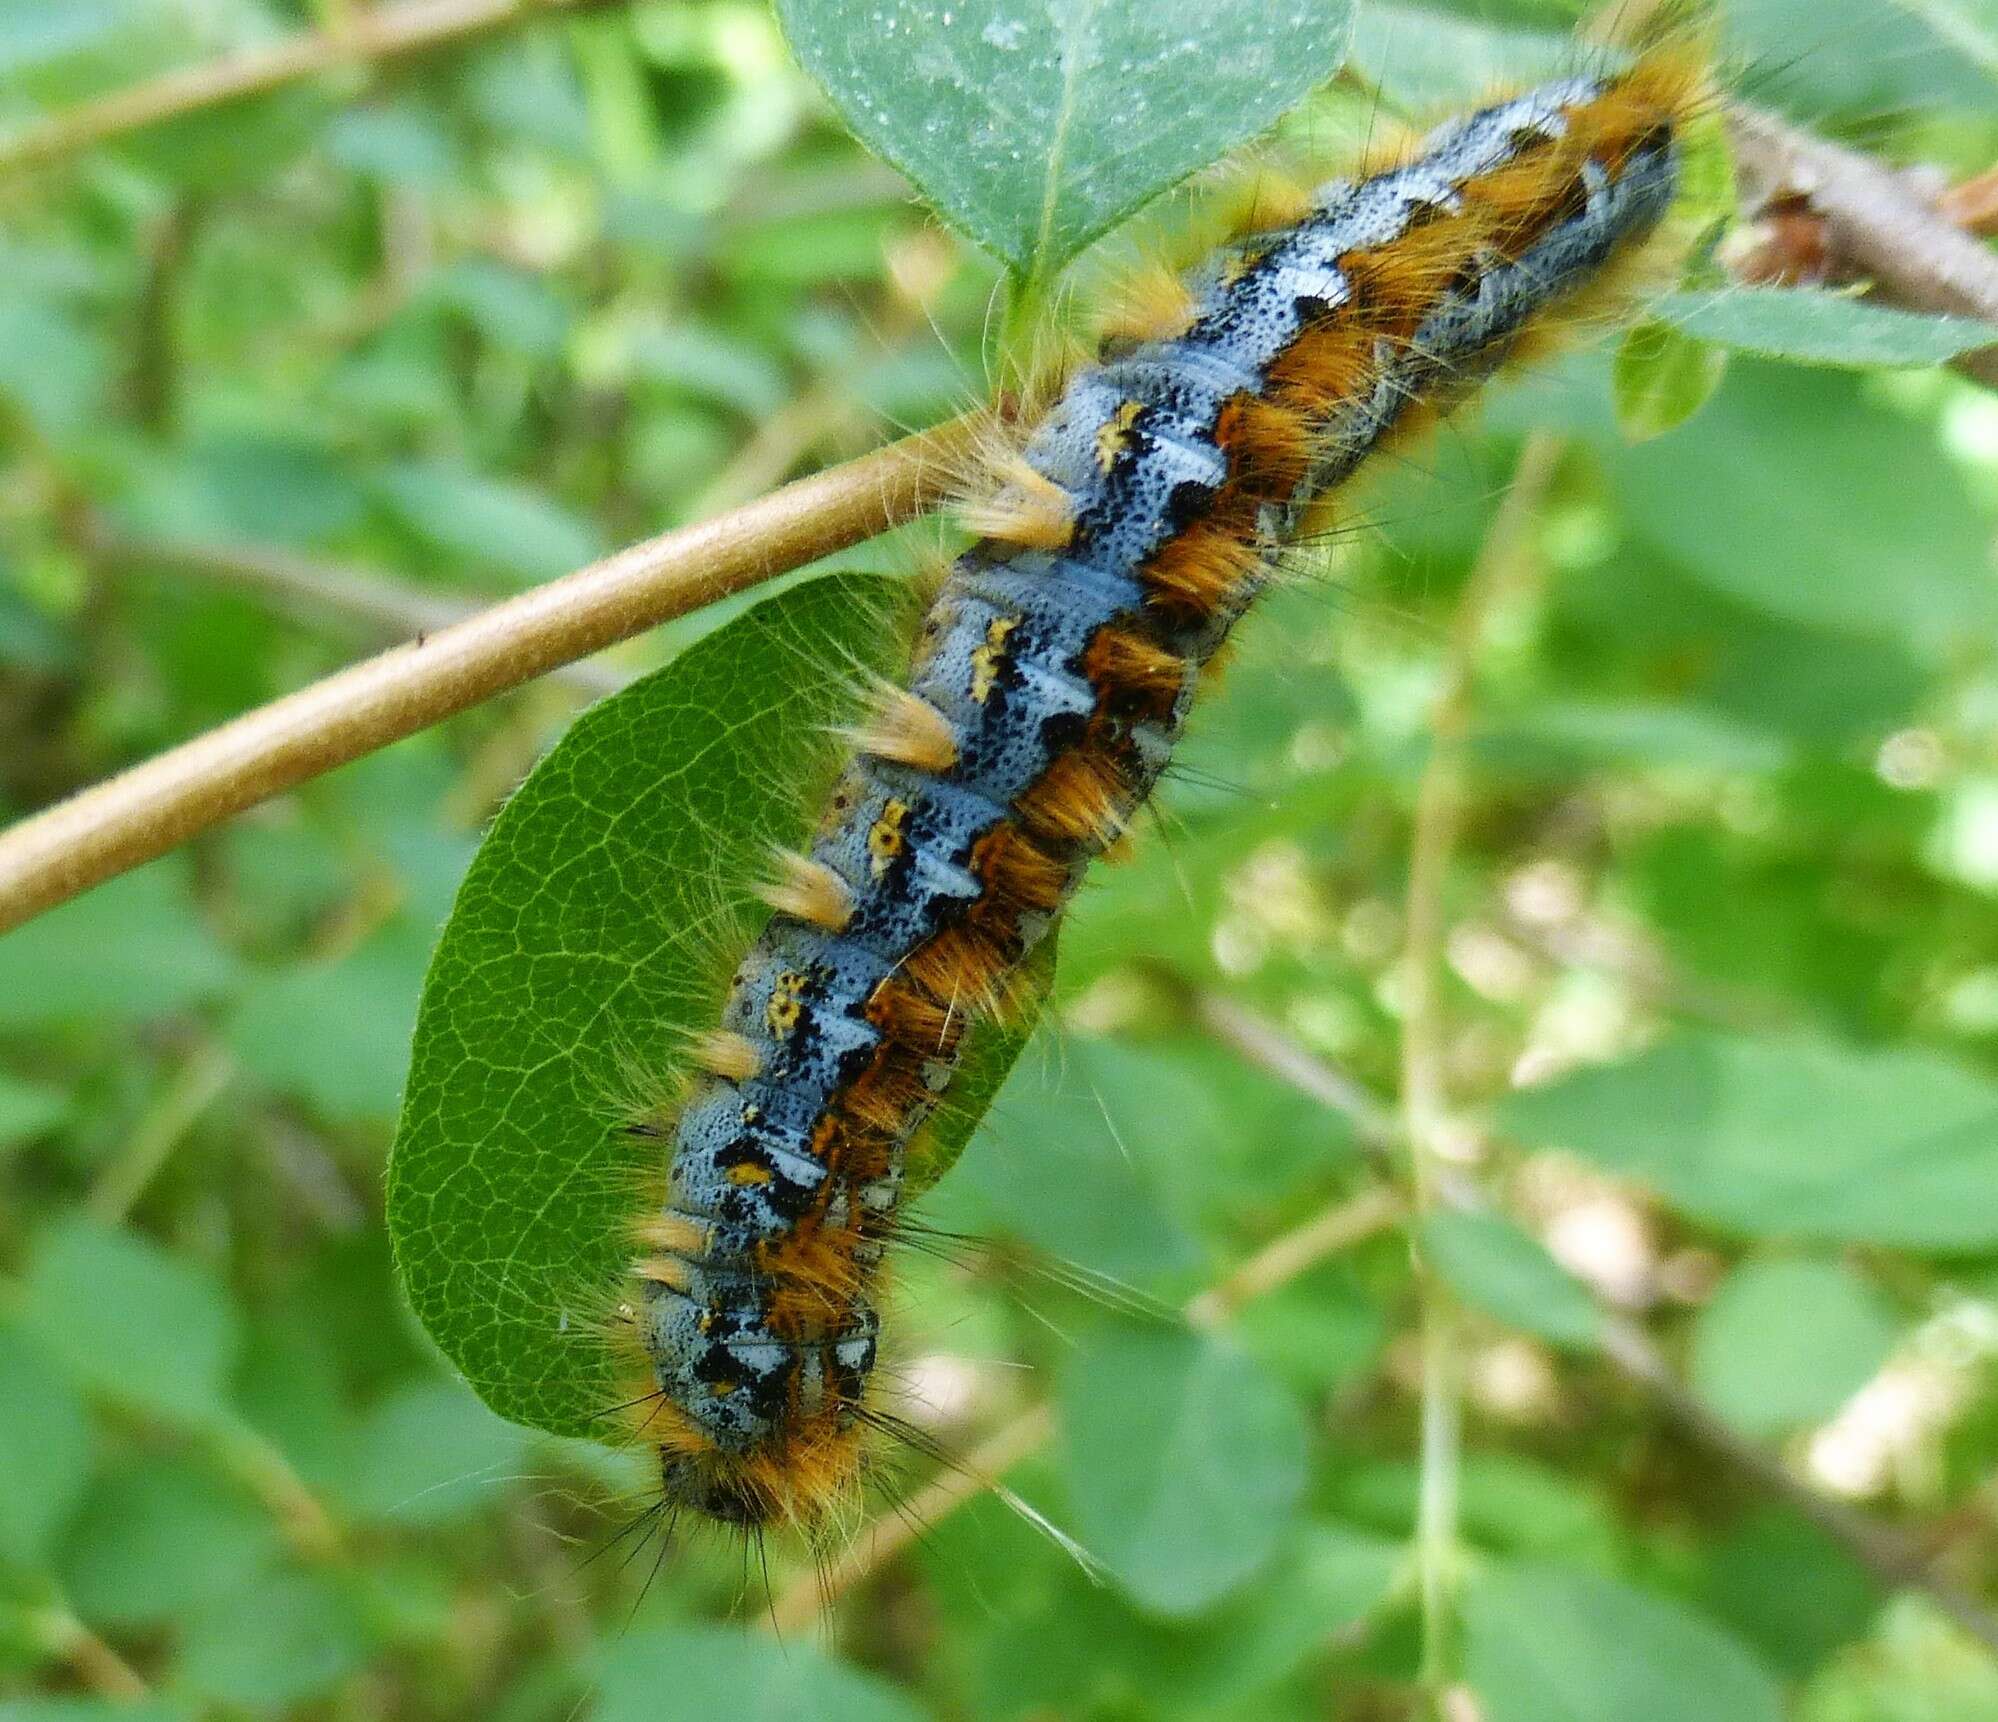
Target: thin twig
column 1425, row 1104
column 191, row 1090
column 371, row 36
column 1276, row 1264
column 1875, row 225
column 310, row 588
column 1892, row 1556
column 57, row 1630
column 141, row 814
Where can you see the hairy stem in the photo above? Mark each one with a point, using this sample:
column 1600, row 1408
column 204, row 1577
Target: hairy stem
column 148, row 810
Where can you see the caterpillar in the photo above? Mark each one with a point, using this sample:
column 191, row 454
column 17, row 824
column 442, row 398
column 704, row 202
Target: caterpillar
column 1115, row 549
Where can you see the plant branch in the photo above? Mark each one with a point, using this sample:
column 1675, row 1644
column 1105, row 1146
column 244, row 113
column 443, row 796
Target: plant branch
column 309, row 587
column 144, row 812
column 56, row 1630
column 1275, row 1265
column 1872, row 224
column 1893, row 1557
column 367, row 36
column 1425, row 1103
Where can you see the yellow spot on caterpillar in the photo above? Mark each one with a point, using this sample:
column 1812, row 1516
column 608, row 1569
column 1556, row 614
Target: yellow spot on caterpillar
column 722, row 1389
column 1028, row 509
column 667, row 1271
column 808, row 890
column 987, row 659
column 884, row 837
column 672, row 1233
column 747, row 1172
column 727, row 1054
column 787, row 1002
column 907, row 728
column 1113, row 436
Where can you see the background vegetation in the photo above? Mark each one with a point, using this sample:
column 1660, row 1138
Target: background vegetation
column 1677, row 964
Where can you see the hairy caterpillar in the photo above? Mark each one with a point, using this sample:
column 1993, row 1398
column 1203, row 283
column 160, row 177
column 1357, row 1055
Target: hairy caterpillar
column 1053, row 673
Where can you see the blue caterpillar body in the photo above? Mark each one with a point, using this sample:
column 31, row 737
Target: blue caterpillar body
column 1049, row 686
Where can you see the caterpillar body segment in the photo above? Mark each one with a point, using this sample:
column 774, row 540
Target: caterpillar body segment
column 1051, row 680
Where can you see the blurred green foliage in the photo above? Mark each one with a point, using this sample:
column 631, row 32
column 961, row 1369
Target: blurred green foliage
column 1723, row 951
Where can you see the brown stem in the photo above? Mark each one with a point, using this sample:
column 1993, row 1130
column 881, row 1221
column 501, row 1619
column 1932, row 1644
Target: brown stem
column 370, row 36
column 1872, row 223
column 144, row 812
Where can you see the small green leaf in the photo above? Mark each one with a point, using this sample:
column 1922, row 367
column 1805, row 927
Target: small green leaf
column 27, row 1109
column 44, row 1450
column 1425, row 60
column 1494, row 1266
column 490, row 523
column 1661, row 377
column 336, row 1034
column 134, row 947
column 1788, row 1137
column 1184, row 1462
column 160, row 1539
column 595, row 928
column 695, row 1673
column 1783, row 1344
column 130, row 1322
column 1901, row 554
column 1818, row 328
column 1036, row 128
column 431, row 1454
column 277, row 1641
column 1546, row 1645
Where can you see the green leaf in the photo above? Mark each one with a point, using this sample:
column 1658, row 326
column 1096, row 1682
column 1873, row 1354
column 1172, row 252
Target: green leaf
column 336, row 1034
column 1969, row 26
column 1184, row 1462
column 133, row 947
column 27, row 1109
column 278, row 1641
column 1788, row 1589
column 1820, row 328
column 130, row 1322
column 1425, row 60
column 1783, row 1344
column 695, row 1673
column 1546, row 1645
column 1061, row 1123
column 490, row 523
column 44, row 1450
column 1889, row 548
column 1037, row 128
column 595, row 928
column 160, row 1539
column 431, row 1454
column 1496, row 1267
column 1788, row 1137
column 1660, row 378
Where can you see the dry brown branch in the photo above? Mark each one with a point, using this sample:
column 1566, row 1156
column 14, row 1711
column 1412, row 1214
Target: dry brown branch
column 144, row 812
column 370, row 36
column 1866, row 222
